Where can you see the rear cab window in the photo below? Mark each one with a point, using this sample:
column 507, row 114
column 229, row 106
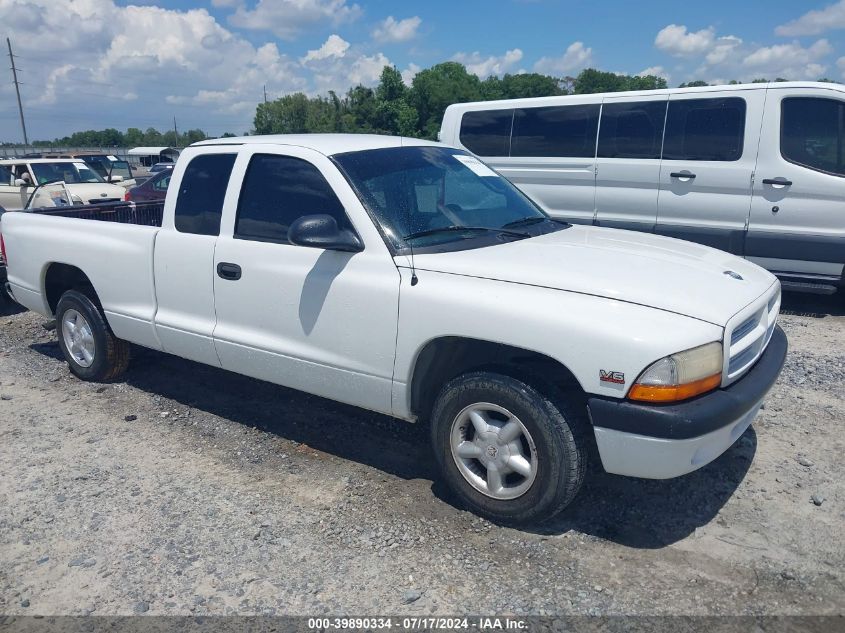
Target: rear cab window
column 199, row 204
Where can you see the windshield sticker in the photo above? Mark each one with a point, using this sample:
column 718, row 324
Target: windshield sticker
column 477, row 167
column 112, row 158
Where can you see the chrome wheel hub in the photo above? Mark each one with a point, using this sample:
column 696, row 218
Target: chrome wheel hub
column 78, row 338
column 493, row 451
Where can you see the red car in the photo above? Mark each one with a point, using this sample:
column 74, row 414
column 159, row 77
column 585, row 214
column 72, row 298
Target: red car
column 153, row 188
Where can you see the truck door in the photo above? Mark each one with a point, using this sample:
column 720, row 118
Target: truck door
column 321, row 321
column 628, row 161
column 709, row 153
column 797, row 223
column 184, row 254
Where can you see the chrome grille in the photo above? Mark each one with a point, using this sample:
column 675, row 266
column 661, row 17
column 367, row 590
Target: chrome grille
column 749, row 332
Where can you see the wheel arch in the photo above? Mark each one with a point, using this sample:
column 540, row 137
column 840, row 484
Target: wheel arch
column 444, row 358
column 59, row 277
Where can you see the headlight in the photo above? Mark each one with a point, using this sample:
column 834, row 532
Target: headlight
column 680, row 376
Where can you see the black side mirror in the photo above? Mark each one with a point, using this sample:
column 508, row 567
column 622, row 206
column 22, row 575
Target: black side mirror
column 322, row 231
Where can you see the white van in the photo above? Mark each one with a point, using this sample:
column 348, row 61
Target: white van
column 757, row 170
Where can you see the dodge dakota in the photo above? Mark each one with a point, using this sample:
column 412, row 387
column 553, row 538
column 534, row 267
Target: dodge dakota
column 407, row 277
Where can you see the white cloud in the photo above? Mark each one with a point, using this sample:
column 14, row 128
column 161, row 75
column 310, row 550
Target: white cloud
column 576, row 57
column 723, row 49
column 122, row 66
column 392, row 30
column 336, row 65
column 486, row 66
column 789, row 60
column 286, row 19
column 657, row 71
column 815, row 22
column 676, row 40
column 410, row 72
column 335, row 46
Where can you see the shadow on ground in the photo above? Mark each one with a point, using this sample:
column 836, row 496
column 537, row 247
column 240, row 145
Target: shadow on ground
column 815, row 306
column 634, row 512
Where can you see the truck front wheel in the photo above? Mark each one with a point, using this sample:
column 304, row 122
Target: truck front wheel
column 508, row 451
column 92, row 351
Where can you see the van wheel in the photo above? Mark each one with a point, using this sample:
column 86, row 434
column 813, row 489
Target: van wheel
column 92, row 351
column 508, row 451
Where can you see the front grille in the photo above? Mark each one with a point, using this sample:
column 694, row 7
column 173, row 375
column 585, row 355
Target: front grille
column 749, row 332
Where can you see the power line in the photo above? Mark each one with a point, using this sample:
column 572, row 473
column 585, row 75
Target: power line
column 17, row 90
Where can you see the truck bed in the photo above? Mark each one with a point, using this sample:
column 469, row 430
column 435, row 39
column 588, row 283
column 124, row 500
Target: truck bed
column 142, row 213
column 111, row 243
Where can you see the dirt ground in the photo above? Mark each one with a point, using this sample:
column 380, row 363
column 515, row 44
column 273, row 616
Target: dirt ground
column 189, row 490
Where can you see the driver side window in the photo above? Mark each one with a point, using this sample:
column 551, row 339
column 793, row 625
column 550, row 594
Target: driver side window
column 6, row 176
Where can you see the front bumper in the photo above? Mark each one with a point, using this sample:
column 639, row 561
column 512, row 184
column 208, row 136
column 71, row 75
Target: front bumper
column 663, row 441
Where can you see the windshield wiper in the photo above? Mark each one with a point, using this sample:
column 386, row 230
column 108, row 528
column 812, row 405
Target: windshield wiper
column 535, row 219
column 455, row 227
column 531, row 219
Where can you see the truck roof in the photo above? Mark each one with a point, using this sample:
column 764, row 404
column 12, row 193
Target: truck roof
column 327, row 144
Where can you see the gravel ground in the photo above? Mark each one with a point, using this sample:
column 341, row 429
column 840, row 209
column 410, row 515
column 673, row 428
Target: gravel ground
column 189, row 490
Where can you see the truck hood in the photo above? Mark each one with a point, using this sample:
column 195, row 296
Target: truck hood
column 650, row 270
column 94, row 191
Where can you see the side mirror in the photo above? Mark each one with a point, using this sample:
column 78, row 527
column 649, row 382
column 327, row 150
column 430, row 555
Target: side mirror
column 115, row 178
column 322, row 231
column 20, row 182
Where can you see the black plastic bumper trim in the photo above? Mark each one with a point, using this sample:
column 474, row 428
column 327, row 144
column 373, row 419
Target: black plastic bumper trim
column 700, row 415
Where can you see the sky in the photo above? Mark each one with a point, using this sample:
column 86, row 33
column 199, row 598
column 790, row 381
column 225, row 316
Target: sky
column 93, row 64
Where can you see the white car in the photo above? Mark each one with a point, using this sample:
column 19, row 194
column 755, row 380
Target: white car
column 756, row 170
column 408, row 278
column 19, row 178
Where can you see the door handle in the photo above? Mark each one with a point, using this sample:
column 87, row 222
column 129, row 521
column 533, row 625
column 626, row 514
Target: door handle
column 225, row 270
column 681, row 174
column 777, row 181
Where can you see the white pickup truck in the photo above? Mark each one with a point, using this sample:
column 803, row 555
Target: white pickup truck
column 408, row 278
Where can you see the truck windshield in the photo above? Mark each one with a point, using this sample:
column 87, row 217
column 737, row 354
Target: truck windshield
column 428, row 196
column 70, row 172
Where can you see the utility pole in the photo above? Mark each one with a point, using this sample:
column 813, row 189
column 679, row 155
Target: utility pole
column 17, row 90
column 176, row 132
column 265, row 93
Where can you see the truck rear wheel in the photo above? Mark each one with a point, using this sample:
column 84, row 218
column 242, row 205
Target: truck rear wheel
column 509, row 452
column 92, row 351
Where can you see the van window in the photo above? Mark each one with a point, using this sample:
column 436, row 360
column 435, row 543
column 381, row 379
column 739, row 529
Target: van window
column 199, row 204
column 568, row 131
column 705, row 129
column 277, row 190
column 6, row 176
column 631, row 130
column 811, row 133
column 487, row 132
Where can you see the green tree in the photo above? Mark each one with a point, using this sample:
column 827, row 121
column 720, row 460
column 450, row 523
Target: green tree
column 694, row 84
column 435, row 88
column 590, row 81
column 286, row 115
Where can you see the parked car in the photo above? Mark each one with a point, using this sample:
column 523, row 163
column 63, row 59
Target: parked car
column 19, row 179
column 159, row 167
column 756, row 170
column 110, row 167
column 407, row 277
column 154, row 188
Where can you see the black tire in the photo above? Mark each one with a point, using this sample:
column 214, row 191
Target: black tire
column 558, row 431
column 111, row 354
